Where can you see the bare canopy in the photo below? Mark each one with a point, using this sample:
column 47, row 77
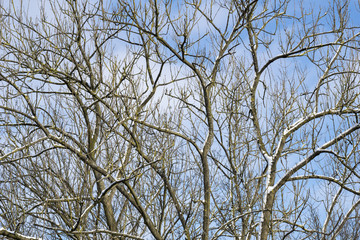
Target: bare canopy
column 161, row 119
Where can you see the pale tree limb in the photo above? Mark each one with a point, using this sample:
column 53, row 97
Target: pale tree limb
column 15, row 235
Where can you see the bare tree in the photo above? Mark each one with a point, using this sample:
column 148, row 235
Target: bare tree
column 179, row 120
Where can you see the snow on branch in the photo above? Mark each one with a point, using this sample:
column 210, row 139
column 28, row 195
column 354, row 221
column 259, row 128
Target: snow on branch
column 15, row 235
